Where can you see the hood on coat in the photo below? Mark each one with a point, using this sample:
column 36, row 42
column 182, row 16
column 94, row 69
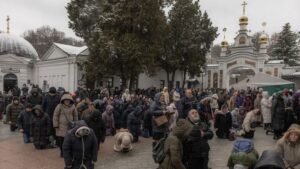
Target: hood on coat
column 265, row 95
column 243, row 145
column 34, row 90
column 182, row 128
column 138, row 111
column 66, row 97
column 294, row 128
column 96, row 115
column 80, row 128
column 39, row 108
column 127, row 91
column 109, row 109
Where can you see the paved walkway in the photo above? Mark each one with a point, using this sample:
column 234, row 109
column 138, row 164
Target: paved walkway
column 17, row 155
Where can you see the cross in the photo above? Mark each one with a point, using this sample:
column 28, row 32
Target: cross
column 244, row 7
column 7, row 23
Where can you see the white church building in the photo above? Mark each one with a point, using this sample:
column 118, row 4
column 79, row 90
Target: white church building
column 58, row 67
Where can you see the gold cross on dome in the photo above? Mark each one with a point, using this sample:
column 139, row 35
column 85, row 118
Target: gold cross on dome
column 244, row 7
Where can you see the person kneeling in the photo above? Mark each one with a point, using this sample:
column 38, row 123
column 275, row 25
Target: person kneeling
column 80, row 147
column 243, row 156
column 40, row 128
column 250, row 123
column 123, row 141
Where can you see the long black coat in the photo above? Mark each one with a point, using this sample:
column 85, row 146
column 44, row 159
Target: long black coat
column 278, row 113
column 195, row 146
column 35, row 98
column 96, row 123
column 185, row 105
column 134, row 121
column 223, row 124
column 24, row 121
column 40, row 128
column 73, row 148
column 50, row 103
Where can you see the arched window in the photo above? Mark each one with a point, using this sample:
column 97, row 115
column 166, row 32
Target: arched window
column 242, row 40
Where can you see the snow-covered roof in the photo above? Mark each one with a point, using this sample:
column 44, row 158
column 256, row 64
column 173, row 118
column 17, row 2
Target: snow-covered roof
column 12, row 44
column 275, row 62
column 212, row 65
column 69, row 49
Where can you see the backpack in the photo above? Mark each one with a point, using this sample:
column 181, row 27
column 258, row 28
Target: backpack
column 158, row 150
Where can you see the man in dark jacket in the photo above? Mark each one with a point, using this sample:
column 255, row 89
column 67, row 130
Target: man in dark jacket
column 80, row 147
column 134, row 123
column 12, row 112
column 16, row 91
column 24, row 122
column 25, row 90
column 50, row 102
column 40, row 128
column 186, row 104
column 35, row 98
column 196, row 147
column 95, row 122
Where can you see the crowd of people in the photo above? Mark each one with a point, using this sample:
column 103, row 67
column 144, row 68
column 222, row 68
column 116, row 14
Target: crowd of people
column 182, row 121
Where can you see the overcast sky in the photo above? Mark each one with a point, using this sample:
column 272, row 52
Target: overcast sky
column 31, row 14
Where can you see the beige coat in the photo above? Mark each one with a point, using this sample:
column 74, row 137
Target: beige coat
column 60, row 122
column 250, row 118
column 290, row 153
column 123, row 139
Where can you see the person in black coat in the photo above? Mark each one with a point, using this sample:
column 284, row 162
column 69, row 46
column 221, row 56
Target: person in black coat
column 223, row 122
column 40, row 128
column 51, row 100
column 24, row 122
column 278, row 115
column 35, row 98
column 95, row 122
column 186, row 103
column 134, row 123
column 80, row 147
column 196, row 147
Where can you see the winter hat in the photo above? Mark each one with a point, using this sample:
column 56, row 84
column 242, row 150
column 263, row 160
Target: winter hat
column 52, row 90
column 29, row 105
column 82, row 131
column 15, row 98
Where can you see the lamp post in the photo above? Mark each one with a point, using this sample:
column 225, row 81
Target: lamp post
column 202, row 71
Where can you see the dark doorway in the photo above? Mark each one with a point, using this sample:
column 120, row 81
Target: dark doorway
column 10, row 81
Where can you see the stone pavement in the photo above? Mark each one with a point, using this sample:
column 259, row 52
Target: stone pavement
column 14, row 154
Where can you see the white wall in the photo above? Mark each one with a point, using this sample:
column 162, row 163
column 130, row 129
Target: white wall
column 145, row 81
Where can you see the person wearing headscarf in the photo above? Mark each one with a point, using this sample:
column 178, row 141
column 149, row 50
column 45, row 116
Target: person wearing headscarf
column 109, row 121
column 289, row 147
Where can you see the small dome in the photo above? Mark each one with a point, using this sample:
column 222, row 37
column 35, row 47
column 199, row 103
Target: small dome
column 12, row 44
column 263, row 39
column 224, row 44
column 243, row 20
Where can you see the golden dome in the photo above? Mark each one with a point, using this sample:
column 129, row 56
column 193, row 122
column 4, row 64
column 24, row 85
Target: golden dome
column 243, row 20
column 263, row 39
column 224, row 44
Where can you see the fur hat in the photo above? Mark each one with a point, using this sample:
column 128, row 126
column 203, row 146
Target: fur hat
column 295, row 128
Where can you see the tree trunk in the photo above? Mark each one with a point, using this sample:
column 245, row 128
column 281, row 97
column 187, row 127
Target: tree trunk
column 168, row 79
column 131, row 82
column 173, row 79
column 184, row 78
